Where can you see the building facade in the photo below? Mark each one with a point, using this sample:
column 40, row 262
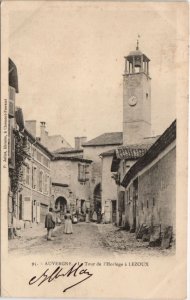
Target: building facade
column 35, row 196
column 13, row 89
column 70, row 184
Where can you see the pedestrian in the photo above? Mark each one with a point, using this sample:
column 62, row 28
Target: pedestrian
column 49, row 223
column 94, row 216
column 87, row 215
column 68, row 223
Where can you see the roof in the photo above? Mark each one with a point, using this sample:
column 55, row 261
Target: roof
column 68, row 150
column 70, row 158
column 160, row 145
column 108, row 138
column 13, row 76
column 108, row 153
column 137, row 52
column 130, row 152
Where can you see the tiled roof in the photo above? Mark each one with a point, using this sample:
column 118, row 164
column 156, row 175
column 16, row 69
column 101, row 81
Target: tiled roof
column 162, row 143
column 130, row 152
column 108, row 138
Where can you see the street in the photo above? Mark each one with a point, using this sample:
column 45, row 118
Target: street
column 88, row 239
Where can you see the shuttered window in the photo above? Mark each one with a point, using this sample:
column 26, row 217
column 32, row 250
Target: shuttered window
column 34, row 177
column 41, row 181
column 45, row 184
column 83, row 172
column 27, row 180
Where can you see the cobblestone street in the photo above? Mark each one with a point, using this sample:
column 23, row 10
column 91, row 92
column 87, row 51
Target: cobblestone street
column 88, row 239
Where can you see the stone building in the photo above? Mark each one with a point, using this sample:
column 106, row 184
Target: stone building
column 70, row 184
column 34, row 198
column 13, row 89
column 150, row 189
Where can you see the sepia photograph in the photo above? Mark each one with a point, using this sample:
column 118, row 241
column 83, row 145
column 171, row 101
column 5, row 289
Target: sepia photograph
column 94, row 144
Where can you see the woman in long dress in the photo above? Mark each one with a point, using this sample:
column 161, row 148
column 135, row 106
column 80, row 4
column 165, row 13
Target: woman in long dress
column 68, row 223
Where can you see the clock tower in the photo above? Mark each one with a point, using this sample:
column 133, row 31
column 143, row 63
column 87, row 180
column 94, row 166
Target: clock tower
column 136, row 98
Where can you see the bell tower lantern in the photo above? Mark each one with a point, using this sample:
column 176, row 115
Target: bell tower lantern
column 136, row 98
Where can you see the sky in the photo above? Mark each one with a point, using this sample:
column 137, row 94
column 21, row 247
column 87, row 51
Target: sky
column 70, row 61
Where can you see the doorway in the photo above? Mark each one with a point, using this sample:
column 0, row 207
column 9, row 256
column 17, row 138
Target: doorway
column 135, row 199
column 113, row 216
column 61, row 207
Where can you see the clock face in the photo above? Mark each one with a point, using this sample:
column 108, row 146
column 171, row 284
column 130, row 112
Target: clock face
column 132, row 101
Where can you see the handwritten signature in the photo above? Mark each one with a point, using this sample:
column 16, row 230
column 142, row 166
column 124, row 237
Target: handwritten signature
column 75, row 271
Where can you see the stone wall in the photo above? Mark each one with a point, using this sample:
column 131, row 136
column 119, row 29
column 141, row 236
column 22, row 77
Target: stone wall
column 157, row 193
column 156, row 200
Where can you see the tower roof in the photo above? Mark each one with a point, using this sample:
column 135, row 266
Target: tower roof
column 137, row 52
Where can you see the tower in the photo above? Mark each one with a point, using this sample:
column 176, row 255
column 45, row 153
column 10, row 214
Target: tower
column 136, row 98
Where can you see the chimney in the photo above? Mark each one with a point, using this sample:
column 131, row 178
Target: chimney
column 43, row 133
column 31, row 126
column 79, row 141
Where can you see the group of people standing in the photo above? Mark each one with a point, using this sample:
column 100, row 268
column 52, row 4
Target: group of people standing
column 50, row 223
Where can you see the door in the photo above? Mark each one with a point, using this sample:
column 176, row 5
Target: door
column 34, row 211
column 135, row 199
column 114, row 211
column 37, row 212
column 20, row 207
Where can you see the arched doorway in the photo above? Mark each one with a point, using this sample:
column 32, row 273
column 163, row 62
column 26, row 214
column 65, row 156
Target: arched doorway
column 97, row 198
column 60, row 207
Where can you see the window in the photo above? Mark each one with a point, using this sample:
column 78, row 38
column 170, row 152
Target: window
column 45, row 184
column 23, row 174
column 27, row 180
column 82, row 172
column 40, row 181
column 39, row 156
column 34, row 177
column 46, row 162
